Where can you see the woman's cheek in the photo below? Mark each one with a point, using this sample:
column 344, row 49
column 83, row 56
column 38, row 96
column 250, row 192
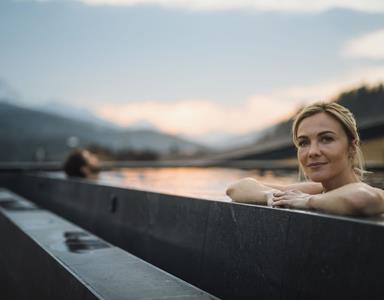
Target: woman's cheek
column 301, row 154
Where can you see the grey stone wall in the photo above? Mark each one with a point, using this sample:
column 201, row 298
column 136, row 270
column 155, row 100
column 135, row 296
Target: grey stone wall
column 234, row 251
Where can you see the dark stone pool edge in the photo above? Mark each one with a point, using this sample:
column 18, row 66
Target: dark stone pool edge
column 230, row 250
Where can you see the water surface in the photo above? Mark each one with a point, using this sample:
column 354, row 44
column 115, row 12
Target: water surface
column 208, row 183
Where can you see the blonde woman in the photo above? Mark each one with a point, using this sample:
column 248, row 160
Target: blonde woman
column 328, row 151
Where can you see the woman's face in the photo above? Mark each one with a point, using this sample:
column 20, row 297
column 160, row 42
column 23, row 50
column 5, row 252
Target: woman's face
column 323, row 149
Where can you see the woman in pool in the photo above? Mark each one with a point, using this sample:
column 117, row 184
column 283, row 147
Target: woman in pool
column 328, row 150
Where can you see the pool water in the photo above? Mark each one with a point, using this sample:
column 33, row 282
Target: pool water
column 207, row 183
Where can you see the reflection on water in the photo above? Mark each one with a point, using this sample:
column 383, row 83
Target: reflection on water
column 208, row 183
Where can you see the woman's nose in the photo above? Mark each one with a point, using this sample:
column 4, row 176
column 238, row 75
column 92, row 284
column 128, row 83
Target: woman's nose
column 314, row 150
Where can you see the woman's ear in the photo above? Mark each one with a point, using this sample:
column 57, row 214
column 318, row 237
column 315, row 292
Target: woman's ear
column 352, row 149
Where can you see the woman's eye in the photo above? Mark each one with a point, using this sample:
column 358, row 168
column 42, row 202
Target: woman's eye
column 302, row 143
column 326, row 139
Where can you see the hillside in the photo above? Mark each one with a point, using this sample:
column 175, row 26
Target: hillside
column 364, row 102
column 26, row 132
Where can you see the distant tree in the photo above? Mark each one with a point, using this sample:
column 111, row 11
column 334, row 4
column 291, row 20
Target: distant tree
column 141, row 155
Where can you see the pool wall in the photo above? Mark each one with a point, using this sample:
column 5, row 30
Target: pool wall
column 233, row 251
column 43, row 256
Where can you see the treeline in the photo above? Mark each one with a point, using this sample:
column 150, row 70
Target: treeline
column 364, row 102
column 108, row 154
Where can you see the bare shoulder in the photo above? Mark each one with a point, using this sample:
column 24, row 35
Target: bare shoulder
column 365, row 186
column 378, row 192
column 365, row 199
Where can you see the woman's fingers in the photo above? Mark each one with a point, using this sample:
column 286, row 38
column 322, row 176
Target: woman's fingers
column 278, row 194
column 281, row 203
column 290, row 199
column 300, row 203
column 280, row 197
column 289, row 192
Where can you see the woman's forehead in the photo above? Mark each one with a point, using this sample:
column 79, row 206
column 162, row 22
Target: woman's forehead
column 319, row 123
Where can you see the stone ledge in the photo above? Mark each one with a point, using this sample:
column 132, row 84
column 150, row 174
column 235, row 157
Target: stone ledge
column 44, row 256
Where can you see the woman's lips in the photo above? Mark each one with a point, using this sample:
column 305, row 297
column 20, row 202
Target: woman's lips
column 316, row 164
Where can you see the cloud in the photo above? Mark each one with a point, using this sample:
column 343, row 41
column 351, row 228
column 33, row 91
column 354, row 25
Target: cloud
column 370, row 46
column 258, row 5
column 195, row 117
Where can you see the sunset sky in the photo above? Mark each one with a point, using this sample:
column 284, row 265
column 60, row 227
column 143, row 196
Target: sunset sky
column 189, row 66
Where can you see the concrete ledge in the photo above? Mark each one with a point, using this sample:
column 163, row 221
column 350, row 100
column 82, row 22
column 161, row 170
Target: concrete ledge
column 42, row 256
column 234, row 251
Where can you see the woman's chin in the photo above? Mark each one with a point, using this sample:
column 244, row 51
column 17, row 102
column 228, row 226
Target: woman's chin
column 316, row 177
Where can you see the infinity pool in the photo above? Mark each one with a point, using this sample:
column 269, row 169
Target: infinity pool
column 207, row 183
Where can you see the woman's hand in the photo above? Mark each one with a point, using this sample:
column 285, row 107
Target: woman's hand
column 291, row 199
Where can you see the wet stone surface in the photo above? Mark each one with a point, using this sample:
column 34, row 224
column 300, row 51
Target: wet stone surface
column 15, row 205
column 44, row 242
column 4, row 195
column 36, row 223
column 79, row 242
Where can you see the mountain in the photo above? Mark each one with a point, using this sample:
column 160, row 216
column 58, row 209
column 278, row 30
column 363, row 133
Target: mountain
column 365, row 102
column 142, row 125
column 215, row 140
column 27, row 134
column 6, row 91
column 61, row 109
column 222, row 141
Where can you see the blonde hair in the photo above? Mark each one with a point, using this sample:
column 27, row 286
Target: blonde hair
column 346, row 119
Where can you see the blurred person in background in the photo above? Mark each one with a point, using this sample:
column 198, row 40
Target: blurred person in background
column 83, row 164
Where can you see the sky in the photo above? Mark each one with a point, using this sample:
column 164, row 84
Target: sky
column 189, row 67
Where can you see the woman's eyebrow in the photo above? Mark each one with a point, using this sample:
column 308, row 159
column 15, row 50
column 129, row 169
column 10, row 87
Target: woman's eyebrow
column 326, row 132
column 302, row 137
column 320, row 133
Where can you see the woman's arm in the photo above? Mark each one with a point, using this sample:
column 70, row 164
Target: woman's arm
column 305, row 187
column 351, row 199
column 250, row 190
